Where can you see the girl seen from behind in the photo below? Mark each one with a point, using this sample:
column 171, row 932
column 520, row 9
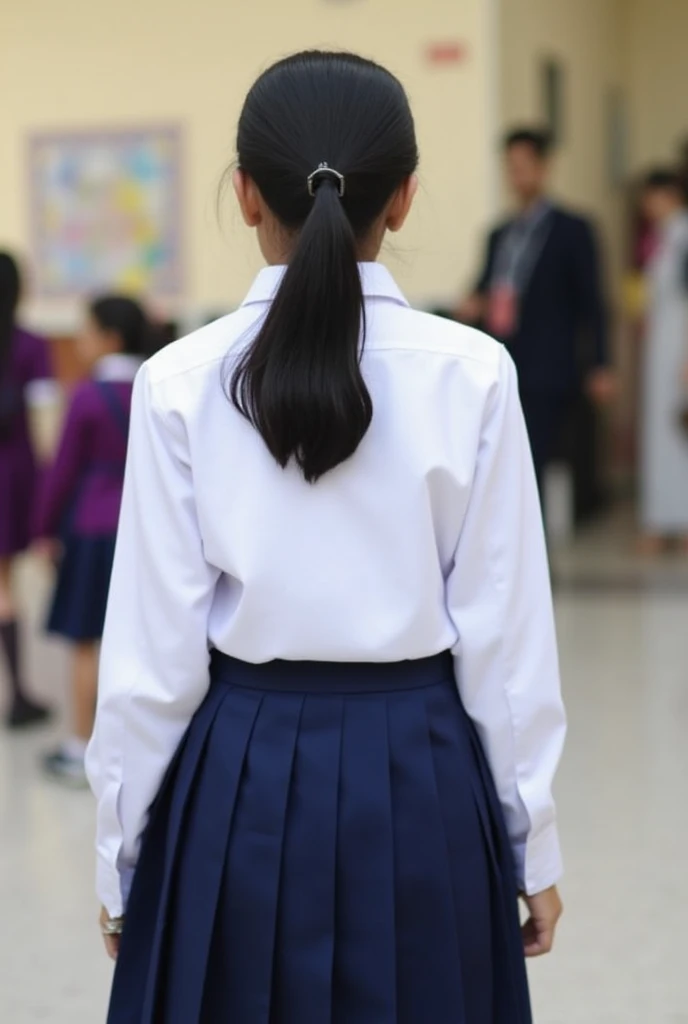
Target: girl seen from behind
column 329, row 710
column 24, row 363
column 80, row 505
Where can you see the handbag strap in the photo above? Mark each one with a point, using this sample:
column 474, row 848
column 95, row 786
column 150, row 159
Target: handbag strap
column 116, row 407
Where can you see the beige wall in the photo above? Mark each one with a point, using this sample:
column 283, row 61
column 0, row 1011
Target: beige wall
column 657, row 69
column 77, row 64
column 640, row 46
column 587, row 37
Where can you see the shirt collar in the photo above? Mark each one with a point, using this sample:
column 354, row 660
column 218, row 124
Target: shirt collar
column 536, row 213
column 377, row 283
column 117, row 367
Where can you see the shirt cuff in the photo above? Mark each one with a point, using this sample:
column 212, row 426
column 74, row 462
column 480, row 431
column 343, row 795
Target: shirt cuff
column 538, row 862
column 40, row 393
column 113, row 887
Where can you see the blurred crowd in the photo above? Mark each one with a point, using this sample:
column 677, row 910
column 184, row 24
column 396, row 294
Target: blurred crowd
column 540, row 290
column 64, row 502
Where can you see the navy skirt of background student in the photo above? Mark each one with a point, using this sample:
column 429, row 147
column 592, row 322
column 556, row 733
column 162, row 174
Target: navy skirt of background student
column 83, row 579
column 81, row 593
column 327, row 848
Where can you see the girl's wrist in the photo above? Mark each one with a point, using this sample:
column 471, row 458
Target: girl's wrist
column 112, row 925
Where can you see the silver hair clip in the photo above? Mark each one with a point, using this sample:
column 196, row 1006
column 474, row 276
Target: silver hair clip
column 322, row 171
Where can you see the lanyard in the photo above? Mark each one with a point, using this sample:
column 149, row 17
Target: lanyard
column 520, row 248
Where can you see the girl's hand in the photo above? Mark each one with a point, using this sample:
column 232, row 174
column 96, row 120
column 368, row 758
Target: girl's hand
column 538, row 931
column 111, row 941
column 47, row 549
column 602, row 386
column 471, row 310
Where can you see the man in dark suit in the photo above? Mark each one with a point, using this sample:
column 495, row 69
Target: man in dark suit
column 540, row 293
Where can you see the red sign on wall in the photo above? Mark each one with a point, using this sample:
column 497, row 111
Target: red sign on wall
column 447, row 52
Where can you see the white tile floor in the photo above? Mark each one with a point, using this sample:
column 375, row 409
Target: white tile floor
column 622, row 956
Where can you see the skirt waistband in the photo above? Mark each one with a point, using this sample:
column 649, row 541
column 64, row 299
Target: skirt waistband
column 332, row 676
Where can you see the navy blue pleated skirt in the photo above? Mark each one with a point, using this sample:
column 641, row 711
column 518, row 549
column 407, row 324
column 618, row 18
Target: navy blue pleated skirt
column 327, row 848
column 81, row 593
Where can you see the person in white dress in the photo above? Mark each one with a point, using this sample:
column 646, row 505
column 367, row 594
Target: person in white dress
column 664, row 465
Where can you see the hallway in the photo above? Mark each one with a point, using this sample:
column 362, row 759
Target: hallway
column 621, row 955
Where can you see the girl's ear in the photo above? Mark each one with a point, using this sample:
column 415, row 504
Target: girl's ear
column 248, row 197
column 401, row 203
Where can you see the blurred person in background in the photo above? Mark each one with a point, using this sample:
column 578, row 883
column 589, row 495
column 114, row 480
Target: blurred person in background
column 540, row 293
column 664, row 384
column 683, row 169
column 24, row 361
column 81, row 501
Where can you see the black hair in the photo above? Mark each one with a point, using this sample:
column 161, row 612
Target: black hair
column 10, row 290
column 537, row 139
column 126, row 318
column 663, row 179
column 299, row 382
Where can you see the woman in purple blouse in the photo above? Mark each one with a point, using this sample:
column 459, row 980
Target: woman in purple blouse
column 81, row 500
column 23, row 361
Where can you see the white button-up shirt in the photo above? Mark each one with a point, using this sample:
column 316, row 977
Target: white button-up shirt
column 429, row 538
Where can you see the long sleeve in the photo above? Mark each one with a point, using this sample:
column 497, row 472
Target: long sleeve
column 154, row 669
column 506, row 658
column 61, row 482
column 592, row 312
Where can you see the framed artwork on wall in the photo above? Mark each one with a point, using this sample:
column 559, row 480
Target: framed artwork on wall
column 106, row 212
column 553, row 98
column 616, row 131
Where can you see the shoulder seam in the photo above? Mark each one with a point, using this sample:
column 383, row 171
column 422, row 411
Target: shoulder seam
column 433, row 351
column 173, row 374
column 179, row 372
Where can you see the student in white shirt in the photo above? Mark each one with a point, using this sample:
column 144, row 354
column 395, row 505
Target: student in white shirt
column 329, row 709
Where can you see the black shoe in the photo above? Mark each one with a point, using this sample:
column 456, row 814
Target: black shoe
column 25, row 712
column 68, row 769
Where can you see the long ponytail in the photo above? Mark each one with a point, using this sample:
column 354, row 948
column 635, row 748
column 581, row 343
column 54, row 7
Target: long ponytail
column 10, row 287
column 300, row 382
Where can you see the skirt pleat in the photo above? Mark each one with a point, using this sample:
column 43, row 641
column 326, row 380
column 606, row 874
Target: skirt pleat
column 304, row 956
column 205, row 840
column 428, row 962
column 511, row 996
column 254, row 861
column 469, row 856
column 327, row 848
column 138, row 988
column 364, row 983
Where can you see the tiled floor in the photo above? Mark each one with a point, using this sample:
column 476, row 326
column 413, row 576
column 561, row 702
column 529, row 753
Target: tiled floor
column 622, row 956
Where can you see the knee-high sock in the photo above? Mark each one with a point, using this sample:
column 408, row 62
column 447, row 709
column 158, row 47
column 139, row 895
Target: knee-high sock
column 9, row 635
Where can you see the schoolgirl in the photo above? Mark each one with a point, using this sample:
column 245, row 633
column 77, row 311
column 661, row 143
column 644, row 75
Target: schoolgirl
column 81, row 502
column 329, row 710
column 24, row 364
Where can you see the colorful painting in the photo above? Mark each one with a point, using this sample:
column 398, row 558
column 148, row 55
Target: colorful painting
column 106, row 212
